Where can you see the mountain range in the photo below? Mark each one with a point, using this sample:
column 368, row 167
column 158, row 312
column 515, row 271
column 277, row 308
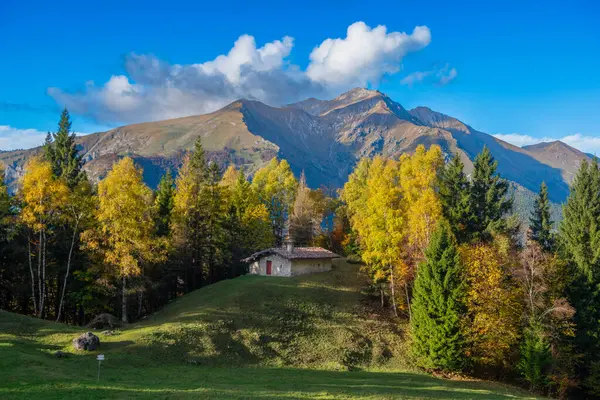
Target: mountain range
column 323, row 138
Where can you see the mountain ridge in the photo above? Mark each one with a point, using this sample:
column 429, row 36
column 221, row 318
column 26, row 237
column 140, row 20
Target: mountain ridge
column 323, row 138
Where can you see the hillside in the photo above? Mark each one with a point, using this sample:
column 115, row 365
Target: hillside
column 244, row 338
column 323, row 138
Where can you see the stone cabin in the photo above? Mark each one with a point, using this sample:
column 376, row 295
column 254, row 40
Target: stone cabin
column 290, row 261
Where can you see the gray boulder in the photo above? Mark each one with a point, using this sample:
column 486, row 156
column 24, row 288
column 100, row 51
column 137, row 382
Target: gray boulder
column 88, row 341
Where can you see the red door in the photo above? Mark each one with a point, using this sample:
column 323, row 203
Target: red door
column 268, row 267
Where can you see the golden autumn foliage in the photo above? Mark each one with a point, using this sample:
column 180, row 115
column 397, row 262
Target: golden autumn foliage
column 276, row 186
column 125, row 219
column 44, row 199
column 418, row 175
column 493, row 302
column 393, row 207
column 252, row 215
column 43, row 195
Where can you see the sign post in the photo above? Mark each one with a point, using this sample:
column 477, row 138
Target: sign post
column 100, row 358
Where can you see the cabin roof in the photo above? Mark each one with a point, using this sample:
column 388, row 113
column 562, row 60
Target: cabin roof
column 296, row 253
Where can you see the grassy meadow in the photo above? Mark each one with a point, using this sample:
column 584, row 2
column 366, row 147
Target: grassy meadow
column 255, row 337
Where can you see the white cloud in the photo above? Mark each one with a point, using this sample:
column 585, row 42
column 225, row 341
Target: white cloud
column 585, row 143
column 152, row 89
column 14, row 138
column 447, row 74
column 364, row 56
column 441, row 76
column 415, row 77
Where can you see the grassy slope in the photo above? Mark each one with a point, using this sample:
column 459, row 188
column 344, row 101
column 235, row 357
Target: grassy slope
column 252, row 337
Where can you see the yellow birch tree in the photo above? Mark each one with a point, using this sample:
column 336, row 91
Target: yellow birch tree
column 125, row 224
column 44, row 199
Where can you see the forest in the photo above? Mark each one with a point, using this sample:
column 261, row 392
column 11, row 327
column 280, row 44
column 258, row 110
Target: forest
column 440, row 249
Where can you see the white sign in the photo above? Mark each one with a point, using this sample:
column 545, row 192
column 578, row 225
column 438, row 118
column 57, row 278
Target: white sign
column 100, row 357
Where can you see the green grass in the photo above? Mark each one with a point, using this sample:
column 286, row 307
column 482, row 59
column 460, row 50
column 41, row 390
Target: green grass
column 251, row 337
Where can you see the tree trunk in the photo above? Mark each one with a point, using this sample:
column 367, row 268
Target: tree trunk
column 381, row 295
column 39, row 276
column 408, row 301
column 32, row 276
column 124, row 302
column 62, row 296
column 43, row 299
column 140, row 300
column 393, row 291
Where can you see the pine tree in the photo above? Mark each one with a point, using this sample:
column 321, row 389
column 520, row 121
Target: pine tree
column 163, row 203
column 536, row 357
column 489, row 199
column 540, row 221
column 198, row 161
column 580, row 227
column 438, row 305
column 579, row 235
column 454, row 191
column 61, row 151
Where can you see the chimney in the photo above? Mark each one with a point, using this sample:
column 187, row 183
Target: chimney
column 289, row 246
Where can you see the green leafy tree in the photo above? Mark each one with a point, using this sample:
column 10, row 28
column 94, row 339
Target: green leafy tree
column 438, row 305
column 489, row 199
column 454, row 192
column 540, row 220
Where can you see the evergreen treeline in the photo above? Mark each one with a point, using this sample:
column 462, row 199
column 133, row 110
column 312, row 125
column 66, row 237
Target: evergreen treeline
column 70, row 250
column 444, row 249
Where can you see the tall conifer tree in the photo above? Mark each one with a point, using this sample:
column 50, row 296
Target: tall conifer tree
column 454, row 189
column 163, row 202
column 580, row 242
column 61, row 151
column 489, row 198
column 438, row 305
column 540, row 222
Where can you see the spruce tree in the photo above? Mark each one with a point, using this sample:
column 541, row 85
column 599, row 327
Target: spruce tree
column 61, row 151
column 454, row 189
column 164, row 203
column 438, row 305
column 579, row 236
column 536, row 358
column 489, row 199
column 540, row 222
column 198, row 161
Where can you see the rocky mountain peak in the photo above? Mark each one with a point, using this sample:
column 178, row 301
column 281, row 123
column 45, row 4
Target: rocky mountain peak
column 429, row 117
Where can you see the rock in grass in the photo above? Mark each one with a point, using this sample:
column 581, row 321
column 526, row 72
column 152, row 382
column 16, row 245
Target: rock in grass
column 88, row 341
column 60, row 354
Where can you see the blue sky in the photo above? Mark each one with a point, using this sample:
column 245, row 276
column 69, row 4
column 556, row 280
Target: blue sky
column 519, row 68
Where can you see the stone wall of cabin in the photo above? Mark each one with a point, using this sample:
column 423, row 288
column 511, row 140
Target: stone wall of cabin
column 279, row 266
column 310, row 265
